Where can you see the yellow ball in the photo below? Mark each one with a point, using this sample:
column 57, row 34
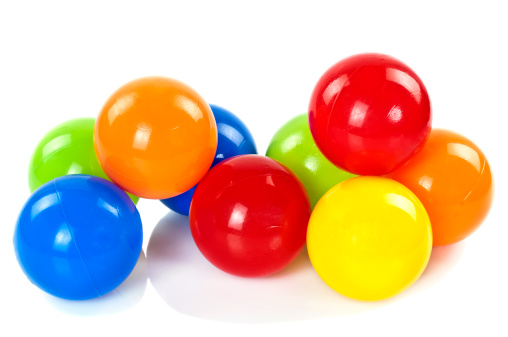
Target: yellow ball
column 369, row 238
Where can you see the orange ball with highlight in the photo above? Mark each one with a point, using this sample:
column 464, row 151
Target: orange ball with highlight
column 452, row 179
column 155, row 137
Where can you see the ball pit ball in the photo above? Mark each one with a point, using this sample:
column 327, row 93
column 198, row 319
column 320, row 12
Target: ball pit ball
column 293, row 146
column 155, row 137
column 369, row 114
column 452, row 178
column 234, row 138
column 66, row 149
column 369, row 238
column 249, row 216
column 78, row 237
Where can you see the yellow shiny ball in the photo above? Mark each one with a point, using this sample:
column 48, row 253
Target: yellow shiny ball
column 369, row 238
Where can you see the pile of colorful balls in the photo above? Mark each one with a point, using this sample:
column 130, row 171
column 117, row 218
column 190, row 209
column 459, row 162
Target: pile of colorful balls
column 362, row 180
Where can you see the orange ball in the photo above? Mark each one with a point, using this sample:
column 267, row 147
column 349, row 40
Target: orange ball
column 155, row 137
column 452, row 179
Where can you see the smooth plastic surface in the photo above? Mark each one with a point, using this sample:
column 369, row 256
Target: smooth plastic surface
column 294, row 147
column 66, row 149
column 78, row 237
column 155, row 137
column 369, row 238
column 369, row 114
column 452, row 178
column 249, row 216
column 233, row 139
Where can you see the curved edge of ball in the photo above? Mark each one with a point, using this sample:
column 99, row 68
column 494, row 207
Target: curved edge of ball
column 46, row 242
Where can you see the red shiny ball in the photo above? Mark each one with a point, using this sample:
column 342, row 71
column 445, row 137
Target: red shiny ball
column 249, row 216
column 369, row 114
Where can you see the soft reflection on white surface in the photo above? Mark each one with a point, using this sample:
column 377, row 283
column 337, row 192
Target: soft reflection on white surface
column 442, row 260
column 126, row 295
column 191, row 285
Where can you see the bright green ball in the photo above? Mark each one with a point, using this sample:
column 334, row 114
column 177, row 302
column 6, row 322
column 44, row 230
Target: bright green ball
column 66, row 149
column 294, row 147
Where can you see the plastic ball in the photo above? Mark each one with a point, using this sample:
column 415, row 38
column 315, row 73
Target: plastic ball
column 66, row 149
column 78, row 237
column 155, row 137
column 452, row 178
column 369, row 114
column 294, row 147
column 249, row 216
column 369, row 238
column 233, row 139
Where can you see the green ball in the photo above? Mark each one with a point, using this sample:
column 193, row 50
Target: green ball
column 293, row 146
column 66, row 149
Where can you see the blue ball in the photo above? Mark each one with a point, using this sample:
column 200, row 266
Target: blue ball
column 233, row 139
column 78, row 237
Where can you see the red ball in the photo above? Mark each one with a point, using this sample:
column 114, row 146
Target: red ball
column 249, row 216
column 369, row 114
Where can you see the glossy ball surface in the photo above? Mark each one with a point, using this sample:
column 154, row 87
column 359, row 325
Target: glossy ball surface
column 452, row 178
column 78, row 237
column 249, row 216
column 369, row 238
column 155, row 137
column 293, row 146
column 66, row 149
column 234, row 138
column 369, row 114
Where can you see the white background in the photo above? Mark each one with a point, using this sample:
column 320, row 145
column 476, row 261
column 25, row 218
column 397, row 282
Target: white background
column 61, row 60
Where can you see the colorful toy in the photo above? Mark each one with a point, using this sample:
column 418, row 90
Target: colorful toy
column 78, row 237
column 155, row 137
column 369, row 114
column 233, row 139
column 452, row 178
column 369, row 238
column 294, row 147
column 249, row 216
column 66, row 149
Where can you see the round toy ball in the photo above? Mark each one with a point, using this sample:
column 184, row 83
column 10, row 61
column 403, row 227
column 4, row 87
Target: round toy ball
column 155, row 137
column 233, row 139
column 66, row 149
column 369, row 114
column 78, row 237
column 452, row 178
column 249, row 216
column 369, row 238
column 294, row 147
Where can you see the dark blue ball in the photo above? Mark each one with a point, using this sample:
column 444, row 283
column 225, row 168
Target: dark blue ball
column 233, row 139
column 78, row 237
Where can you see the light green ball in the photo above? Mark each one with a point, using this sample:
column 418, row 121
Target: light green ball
column 66, row 149
column 293, row 146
